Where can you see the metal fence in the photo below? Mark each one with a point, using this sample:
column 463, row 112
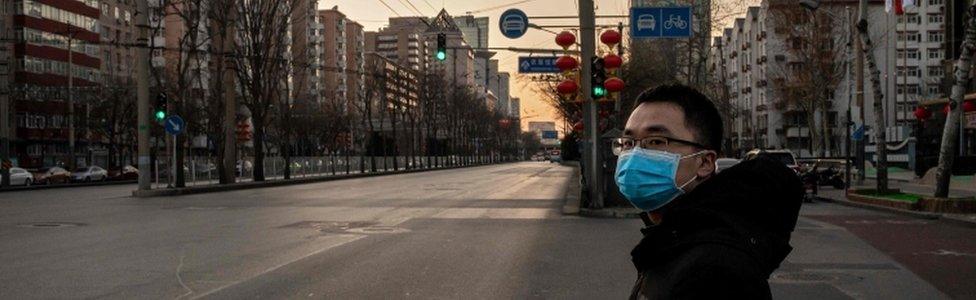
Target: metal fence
column 200, row 171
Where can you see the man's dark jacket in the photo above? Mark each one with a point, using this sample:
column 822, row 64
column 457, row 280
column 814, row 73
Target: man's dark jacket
column 724, row 238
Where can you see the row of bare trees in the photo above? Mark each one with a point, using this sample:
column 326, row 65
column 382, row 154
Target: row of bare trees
column 228, row 61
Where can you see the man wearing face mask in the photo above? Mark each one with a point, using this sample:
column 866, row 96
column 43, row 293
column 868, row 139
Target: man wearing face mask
column 708, row 235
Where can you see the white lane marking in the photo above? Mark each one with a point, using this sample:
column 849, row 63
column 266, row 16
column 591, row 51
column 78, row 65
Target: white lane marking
column 944, row 252
column 179, row 269
column 351, row 237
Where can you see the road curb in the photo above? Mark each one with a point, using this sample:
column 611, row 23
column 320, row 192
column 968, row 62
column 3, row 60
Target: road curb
column 61, row 186
column 947, row 218
column 571, row 199
column 276, row 183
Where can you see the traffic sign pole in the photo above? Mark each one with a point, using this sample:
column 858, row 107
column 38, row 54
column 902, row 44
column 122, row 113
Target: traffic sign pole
column 592, row 153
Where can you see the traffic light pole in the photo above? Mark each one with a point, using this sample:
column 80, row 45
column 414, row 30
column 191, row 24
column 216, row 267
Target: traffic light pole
column 592, row 164
column 142, row 94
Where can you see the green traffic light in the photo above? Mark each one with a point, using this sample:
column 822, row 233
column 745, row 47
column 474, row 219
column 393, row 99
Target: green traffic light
column 599, row 91
column 441, row 55
column 160, row 115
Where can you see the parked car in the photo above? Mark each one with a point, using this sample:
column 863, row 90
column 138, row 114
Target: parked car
column 125, row 173
column 830, row 172
column 89, row 174
column 784, row 156
column 19, row 176
column 51, row 175
column 724, row 163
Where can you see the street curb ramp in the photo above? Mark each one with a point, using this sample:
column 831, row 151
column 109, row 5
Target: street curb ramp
column 276, row 183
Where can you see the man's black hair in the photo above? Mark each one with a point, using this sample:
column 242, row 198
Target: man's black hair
column 701, row 116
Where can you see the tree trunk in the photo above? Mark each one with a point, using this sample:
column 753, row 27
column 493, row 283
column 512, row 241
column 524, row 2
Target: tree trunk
column 943, row 175
column 881, row 149
column 258, row 147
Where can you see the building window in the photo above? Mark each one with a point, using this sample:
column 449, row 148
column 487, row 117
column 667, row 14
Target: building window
column 936, row 71
column 936, row 36
column 935, row 90
column 935, row 2
column 935, row 53
column 911, row 19
column 936, row 18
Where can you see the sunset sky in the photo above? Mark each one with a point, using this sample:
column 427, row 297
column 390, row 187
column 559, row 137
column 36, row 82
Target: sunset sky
column 373, row 14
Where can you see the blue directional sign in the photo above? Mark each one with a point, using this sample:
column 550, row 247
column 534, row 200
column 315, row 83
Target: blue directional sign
column 550, row 134
column 660, row 22
column 513, row 23
column 858, row 133
column 537, row 64
column 174, row 125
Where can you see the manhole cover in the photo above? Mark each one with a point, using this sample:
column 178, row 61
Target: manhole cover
column 49, row 224
column 804, row 277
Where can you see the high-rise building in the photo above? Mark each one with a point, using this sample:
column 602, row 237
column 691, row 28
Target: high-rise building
column 334, row 75
column 474, row 30
column 355, row 62
column 306, row 51
column 57, row 57
column 755, row 58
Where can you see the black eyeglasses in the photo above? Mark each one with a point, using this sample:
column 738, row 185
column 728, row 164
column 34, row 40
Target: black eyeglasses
column 622, row 144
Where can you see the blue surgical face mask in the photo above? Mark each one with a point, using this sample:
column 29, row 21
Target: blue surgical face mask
column 647, row 177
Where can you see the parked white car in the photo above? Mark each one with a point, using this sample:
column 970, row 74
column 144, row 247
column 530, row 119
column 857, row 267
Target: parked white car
column 88, row 174
column 724, row 163
column 19, row 176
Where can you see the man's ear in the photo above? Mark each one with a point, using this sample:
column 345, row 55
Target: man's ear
column 707, row 167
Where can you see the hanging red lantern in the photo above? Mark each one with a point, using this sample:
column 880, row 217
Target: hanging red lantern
column 969, row 106
column 922, row 114
column 610, row 37
column 578, row 127
column 565, row 39
column 504, row 123
column 567, row 63
column 614, row 84
column 612, row 61
column 567, row 87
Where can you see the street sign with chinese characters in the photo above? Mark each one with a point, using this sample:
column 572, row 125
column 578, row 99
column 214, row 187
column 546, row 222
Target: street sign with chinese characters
column 660, row 22
column 537, row 64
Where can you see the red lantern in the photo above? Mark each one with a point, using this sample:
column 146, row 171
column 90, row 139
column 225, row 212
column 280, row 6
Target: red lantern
column 504, row 123
column 610, row 37
column 969, row 106
column 567, row 63
column 612, row 61
column 567, row 87
column 578, row 127
column 614, row 84
column 565, row 39
column 922, row 114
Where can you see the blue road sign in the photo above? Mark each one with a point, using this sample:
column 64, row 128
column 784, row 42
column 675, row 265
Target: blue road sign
column 550, row 134
column 660, row 22
column 537, row 64
column 513, row 23
column 174, row 125
column 858, row 133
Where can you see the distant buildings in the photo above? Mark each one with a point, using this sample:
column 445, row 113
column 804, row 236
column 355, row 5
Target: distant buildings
column 754, row 57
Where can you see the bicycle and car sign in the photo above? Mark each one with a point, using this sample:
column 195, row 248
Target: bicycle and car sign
column 660, row 22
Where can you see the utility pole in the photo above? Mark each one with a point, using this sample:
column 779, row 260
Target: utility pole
column 590, row 122
column 5, row 100
column 850, row 96
column 71, row 104
column 859, row 74
column 142, row 94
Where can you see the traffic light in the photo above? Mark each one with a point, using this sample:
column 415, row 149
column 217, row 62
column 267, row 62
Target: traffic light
column 160, row 108
column 441, row 47
column 599, row 77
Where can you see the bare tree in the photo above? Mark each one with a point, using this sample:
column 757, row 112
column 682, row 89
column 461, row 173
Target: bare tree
column 949, row 133
column 812, row 71
column 262, row 30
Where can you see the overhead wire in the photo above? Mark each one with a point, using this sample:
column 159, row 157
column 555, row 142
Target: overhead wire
column 390, row 8
column 407, row 3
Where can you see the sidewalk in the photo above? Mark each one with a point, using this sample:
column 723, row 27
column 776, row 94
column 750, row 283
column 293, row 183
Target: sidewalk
column 838, row 197
column 965, row 184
